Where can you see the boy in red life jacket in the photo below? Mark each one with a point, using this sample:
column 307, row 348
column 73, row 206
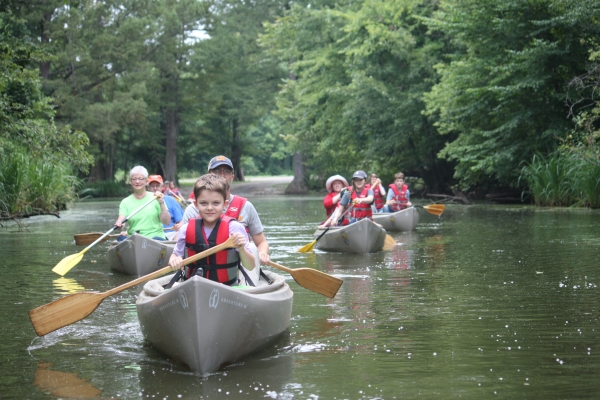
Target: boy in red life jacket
column 378, row 193
column 211, row 229
column 361, row 198
column 334, row 186
column 398, row 197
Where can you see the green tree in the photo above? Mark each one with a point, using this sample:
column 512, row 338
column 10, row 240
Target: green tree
column 502, row 91
column 358, row 72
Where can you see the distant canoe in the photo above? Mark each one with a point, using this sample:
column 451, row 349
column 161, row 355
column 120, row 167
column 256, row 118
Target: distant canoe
column 400, row 221
column 206, row 324
column 139, row 255
column 360, row 237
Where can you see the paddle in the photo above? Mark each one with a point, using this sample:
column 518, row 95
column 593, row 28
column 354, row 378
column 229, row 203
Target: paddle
column 82, row 239
column 69, row 262
column 389, row 243
column 75, row 307
column 312, row 279
column 309, row 247
column 435, row 209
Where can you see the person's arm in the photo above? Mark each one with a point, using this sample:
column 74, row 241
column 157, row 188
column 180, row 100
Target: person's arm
column 381, row 188
column 176, row 258
column 263, row 247
column 390, row 198
column 246, row 255
column 408, row 203
column 164, row 216
column 367, row 200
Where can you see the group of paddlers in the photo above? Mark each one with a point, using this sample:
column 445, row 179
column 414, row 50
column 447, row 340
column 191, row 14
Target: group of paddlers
column 214, row 216
column 346, row 204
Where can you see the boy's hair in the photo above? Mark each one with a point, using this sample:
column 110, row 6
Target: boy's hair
column 212, row 182
column 373, row 175
column 399, row 175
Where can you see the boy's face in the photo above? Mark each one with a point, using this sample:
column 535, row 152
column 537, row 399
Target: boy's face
column 373, row 179
column 399, row 182
column 359, row 183
column 210, row 205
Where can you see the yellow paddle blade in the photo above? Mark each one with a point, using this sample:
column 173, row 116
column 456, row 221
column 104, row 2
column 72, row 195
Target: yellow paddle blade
column 308, row 248
column 435, row 209
column 68, row 262
column 390, row 243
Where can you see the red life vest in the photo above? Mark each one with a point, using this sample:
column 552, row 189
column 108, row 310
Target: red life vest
column 235, row 207
column 377, row 198
column 399, row 197
column 362, row 210
column 220, row 267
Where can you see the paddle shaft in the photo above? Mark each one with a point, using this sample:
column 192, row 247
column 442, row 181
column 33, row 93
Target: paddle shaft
column 336, row 221
column 122, row 222
column 75, row 307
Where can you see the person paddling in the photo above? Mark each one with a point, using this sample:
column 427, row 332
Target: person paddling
column 155, row 182
column 398, row 197
column 210, row 229
column 238, row 207
column 148, row 221
column 335, row 184
column 378, row 193
column 361, row 198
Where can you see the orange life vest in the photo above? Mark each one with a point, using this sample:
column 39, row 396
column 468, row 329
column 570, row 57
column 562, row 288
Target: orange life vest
column 220, row 267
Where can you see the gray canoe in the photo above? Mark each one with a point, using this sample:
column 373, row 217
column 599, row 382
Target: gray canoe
column 360, row 237
column 400, row 221
column 139, row 255
column 205, row 324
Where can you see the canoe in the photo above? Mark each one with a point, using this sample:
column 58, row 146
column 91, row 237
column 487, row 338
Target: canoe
column 205, row 324
column 360, row 237
column 400, row 221
column 139, row 255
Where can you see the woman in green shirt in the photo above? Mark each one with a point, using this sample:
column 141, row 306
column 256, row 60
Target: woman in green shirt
column 148, row 221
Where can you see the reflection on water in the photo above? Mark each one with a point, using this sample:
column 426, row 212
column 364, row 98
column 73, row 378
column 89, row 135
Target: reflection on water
column 485, row 301
column 66, row 286
column 62, row 384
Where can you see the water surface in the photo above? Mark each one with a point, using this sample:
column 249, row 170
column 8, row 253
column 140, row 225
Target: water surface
column 486, row 300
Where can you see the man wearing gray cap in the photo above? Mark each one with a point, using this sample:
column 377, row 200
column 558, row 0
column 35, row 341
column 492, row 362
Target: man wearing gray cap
column 239, row 208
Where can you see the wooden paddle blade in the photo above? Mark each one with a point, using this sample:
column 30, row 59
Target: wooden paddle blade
column 308, row 247
column 312, row 279
column 68, row 262
column 83, row 239
column 390, row 243
column 64, row 311
column 435, row 209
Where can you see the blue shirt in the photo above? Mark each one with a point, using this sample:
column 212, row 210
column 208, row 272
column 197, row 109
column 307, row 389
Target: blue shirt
column 174, row 210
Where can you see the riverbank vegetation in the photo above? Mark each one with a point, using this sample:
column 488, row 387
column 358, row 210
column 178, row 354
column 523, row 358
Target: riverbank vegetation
column 469, row 96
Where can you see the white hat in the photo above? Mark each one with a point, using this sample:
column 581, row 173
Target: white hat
column 333, row 179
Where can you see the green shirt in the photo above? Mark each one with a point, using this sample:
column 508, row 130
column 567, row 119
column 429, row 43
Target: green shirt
column 147, row 220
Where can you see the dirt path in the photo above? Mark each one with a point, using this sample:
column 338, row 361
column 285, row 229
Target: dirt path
column 253, row 186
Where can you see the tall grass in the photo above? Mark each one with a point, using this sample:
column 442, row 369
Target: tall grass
column 110, row 188
column 29, row 185
column 562, row 179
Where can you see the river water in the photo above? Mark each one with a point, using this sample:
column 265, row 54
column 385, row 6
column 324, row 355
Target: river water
column 485, row 301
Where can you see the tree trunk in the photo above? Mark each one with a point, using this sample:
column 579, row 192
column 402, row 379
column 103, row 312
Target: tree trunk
column 44, row 22
column 172, row 119
column 297, row 186
column 172, row 130
column 236, row 150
